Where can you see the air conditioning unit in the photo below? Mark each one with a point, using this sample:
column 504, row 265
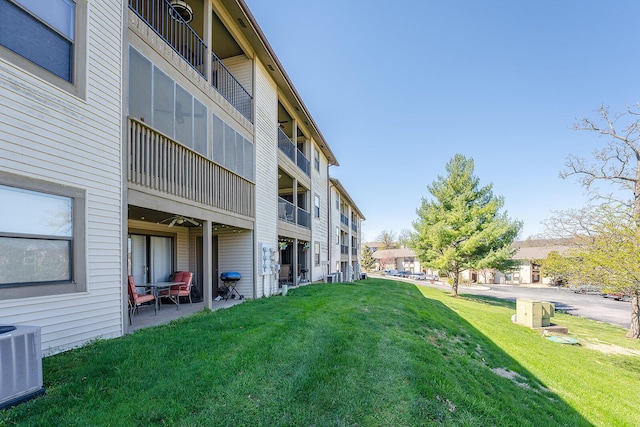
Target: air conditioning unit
column 20, row 364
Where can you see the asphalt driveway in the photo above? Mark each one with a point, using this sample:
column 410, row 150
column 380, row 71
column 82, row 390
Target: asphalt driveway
column 593, row 307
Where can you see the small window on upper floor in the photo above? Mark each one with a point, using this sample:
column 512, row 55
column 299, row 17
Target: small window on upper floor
column 316, row 206
column 46, row 38
column 316, row 159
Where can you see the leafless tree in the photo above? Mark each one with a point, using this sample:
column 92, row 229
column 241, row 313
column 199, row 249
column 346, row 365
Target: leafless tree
column 387, row 239
column 618, row 163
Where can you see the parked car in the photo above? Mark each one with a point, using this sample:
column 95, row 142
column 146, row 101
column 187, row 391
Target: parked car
column 618, row 296
column 418, row 276
column 586, row 289
column 404, row 273
column 390, row 272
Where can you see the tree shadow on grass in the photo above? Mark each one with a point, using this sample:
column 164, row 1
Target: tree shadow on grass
column 494, row 301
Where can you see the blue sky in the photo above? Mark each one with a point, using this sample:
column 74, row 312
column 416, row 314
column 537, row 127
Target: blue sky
column 397, row 88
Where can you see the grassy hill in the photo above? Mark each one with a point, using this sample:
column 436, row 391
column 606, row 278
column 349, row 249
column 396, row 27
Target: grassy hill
column 371, row 353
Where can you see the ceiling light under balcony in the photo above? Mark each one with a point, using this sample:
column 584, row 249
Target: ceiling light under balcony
column 182, row 9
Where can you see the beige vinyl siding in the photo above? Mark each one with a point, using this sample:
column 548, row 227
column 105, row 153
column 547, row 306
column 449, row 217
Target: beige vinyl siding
column 320, row 226
column 235, row 253
column 334, row 241
column 241, row 68
column 266, row 119
column 48, row 134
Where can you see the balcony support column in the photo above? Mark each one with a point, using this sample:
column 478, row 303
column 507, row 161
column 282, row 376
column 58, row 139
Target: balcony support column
column 207, row 263
column 208, row 35
column 295, row 262
column 294, row 191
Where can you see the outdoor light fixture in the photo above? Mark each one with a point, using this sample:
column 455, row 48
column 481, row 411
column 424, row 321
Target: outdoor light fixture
column 182, row 9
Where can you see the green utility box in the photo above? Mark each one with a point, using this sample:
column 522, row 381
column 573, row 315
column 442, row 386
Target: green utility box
column 534, row 314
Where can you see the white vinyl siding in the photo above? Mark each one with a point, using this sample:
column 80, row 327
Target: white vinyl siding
column 55, row 137
column 266, row 170
column 241, row 68
column 320, row 230
column 235, row 254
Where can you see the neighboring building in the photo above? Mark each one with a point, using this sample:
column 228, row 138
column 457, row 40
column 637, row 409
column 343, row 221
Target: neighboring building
column 397, row 259
column 345, row 220
column 528, row 255
column 144, row 139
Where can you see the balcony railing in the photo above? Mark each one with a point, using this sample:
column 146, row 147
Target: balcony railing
column 286, row 210
column 291, row 151
column 344, row 249
column 354, row 226
column 304, row 218
column 286, row 146
column 354, row 251
column 344, row 219
column 302, row 162
column 169, row 25
column 230, row 88
column 160, row 164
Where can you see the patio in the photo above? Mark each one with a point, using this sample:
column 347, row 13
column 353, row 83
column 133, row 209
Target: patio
column 145, row 317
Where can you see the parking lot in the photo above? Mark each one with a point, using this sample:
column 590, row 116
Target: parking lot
column 593, row 307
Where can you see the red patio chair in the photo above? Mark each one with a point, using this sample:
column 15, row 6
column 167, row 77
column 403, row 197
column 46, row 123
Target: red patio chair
column 175, row 292
column 136, row 299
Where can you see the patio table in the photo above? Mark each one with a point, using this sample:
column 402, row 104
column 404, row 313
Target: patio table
column 156, row 287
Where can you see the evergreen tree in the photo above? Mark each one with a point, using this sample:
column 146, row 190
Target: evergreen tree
column 461, row 226
column 367, row 260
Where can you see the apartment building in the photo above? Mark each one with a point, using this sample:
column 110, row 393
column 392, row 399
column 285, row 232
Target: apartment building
column 61, row 175
column 154, row 136
column 346, row 223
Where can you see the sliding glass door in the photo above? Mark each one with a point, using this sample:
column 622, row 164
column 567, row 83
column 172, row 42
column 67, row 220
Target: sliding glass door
column 150, row 258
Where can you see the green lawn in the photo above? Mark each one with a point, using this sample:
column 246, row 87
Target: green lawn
column 371, row 353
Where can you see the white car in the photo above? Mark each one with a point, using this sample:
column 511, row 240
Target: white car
column 418, row 276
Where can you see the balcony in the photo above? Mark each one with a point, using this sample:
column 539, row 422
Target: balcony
column 354, row 251
column 159, row 164
column 354, row 226
column 291, row 151
column 167, row 23
column 227, row 85
column 302, row 162
column 304, row 218
column 286, row 210
column 344, row 219
column 344, row 249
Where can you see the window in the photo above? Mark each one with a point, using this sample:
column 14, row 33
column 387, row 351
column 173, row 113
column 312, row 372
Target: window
column 231, row 150
column 41, row 238
column 47, row 39
column 316, row 159
column 337, row 201
column 316, row 253
column 316, row 206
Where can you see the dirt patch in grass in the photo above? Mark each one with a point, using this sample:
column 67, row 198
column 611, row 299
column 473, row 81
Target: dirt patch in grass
column 511, row 375
column 610, row 349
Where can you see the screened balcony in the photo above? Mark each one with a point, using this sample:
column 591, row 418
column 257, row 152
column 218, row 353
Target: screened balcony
column 159, row 164
column 170, row 26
